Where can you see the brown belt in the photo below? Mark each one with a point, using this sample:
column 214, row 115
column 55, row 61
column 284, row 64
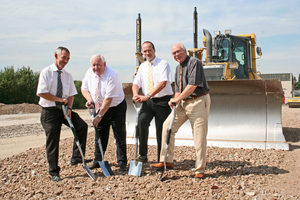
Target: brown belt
column 195, row 97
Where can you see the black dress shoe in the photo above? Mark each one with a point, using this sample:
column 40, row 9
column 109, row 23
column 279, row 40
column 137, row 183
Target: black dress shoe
column 56, row 178
column 94, row 165
column 142, row 159
column 123, row 168
column 75, row 161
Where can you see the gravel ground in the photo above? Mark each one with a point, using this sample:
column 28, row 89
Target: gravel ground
column 230, row 173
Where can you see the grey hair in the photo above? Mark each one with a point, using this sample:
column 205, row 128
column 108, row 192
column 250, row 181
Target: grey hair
column 182, row 46
column 98, row 55
column 60, row 49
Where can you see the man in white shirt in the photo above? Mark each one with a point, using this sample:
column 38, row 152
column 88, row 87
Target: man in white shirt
column 52, row 116
column 157, row 91
column 102, row 87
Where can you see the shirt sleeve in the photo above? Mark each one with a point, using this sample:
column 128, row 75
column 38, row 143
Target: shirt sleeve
column 137, row 79
column 84, row 84
column 42, row 85
column 73, row 90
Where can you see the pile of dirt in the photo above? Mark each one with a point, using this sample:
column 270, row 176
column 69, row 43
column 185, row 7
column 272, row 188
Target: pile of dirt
column 8, row 109
column 231, row 173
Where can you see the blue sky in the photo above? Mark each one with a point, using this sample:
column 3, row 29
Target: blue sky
column 31, row 30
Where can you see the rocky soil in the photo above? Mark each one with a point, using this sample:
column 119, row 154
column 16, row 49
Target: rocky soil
column 230, row 173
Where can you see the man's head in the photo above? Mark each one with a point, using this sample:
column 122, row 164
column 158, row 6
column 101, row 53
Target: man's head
column 98, row 64
column 62, row 57
column 179, row 52
column 148, row 50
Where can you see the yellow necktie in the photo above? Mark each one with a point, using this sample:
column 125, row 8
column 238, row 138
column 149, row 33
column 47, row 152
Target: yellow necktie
column 150, row 78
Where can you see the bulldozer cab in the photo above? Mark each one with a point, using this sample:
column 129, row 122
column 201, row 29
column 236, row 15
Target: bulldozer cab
column 228, row 48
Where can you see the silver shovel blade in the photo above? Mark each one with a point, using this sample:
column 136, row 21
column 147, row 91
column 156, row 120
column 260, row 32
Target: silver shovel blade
column 135, row 168
column 89, row 172
column 105, row 168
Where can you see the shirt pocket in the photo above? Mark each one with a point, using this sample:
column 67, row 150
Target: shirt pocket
column 66, row 90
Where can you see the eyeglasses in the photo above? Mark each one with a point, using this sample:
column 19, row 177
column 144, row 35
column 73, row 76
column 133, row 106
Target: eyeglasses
column 176, row 52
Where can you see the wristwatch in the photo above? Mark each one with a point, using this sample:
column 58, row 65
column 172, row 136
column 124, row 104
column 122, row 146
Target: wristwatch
column 99, row 115
column 148, row 95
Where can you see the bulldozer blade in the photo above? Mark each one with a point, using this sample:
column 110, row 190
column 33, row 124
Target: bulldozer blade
column 106, row 168
column 135, row 168
column 243, row 114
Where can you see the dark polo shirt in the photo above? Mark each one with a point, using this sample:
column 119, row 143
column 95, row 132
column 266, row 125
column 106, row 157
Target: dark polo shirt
column 192, row 74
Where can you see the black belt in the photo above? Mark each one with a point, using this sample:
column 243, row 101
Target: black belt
column 195, row 97
column 51, row 108
column 162, row 98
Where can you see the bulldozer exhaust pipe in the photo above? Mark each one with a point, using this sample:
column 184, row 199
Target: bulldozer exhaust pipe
column 138, row 37
column 208, row 45
column 195, row 31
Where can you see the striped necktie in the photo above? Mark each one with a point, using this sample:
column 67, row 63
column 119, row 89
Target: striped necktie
column 59, row 89
column 150, row 78
column 180, row 79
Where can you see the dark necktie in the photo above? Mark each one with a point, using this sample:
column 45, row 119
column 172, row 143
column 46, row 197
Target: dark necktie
column 59, row 89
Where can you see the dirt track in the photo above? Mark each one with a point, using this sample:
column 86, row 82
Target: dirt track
column 231, row 173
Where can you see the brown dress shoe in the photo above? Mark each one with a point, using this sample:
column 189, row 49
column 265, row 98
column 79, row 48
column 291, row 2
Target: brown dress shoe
column 161, row 165
column 199, row 175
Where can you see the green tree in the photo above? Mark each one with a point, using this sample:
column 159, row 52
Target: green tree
column 79, row 100
column 19, row 86
column 296, row 83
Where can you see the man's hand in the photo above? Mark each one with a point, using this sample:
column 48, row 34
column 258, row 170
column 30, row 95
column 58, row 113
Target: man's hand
column 96, row 121
column 172, row 101
column 69, row 113
column 64, row 101
column 89, row 104
column 140, row 98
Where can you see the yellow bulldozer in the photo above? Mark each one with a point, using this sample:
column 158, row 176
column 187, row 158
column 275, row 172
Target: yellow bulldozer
column 295, row 101
column 245, row 109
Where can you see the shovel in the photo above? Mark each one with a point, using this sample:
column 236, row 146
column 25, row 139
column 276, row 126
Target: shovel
column 103, row 164
column 85, row 167
column 168, row 140
column 135, row 167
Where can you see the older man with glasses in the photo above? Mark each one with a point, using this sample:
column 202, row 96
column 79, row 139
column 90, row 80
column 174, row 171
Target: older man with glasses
column 193, row 103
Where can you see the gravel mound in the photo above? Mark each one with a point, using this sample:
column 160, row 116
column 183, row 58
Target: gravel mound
column 230, row 173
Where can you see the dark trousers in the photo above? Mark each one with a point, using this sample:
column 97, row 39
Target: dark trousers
column 115, row 117
column 158, row 108
column 52, row 120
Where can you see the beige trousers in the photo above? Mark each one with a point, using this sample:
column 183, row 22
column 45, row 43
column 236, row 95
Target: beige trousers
column 197, row 111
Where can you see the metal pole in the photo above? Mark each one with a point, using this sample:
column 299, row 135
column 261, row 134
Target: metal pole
column 195, row 31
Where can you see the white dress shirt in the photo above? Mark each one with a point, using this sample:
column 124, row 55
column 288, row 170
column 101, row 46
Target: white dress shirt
column 161, row 72
column 110, row 86
column 48, row 84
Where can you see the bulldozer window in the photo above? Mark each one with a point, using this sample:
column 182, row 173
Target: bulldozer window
column 223, row 50
column 238, row 56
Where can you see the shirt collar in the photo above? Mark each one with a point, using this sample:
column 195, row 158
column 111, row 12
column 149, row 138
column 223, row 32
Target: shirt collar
column 154, row 61
column 54, row 68
column 185, row 61
column 102, row 75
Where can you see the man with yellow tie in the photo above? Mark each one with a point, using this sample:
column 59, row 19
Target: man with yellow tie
column 154, row 77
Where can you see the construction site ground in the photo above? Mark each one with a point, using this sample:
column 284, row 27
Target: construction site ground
column 230, row 173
